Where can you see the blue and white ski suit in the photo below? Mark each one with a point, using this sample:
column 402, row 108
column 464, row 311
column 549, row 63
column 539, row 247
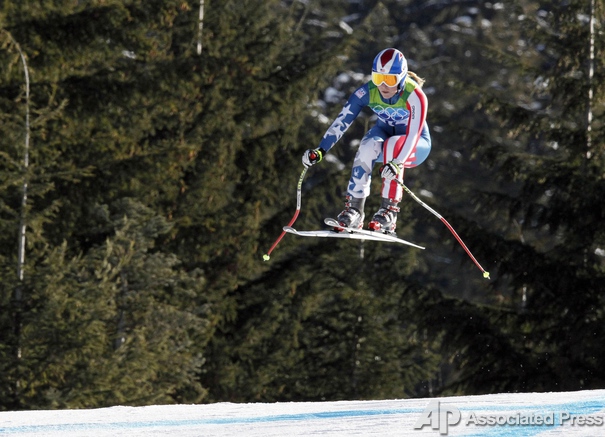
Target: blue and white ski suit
column 400, row 134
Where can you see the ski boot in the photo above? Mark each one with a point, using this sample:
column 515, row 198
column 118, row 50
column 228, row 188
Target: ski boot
column 352, row 216
column 385, row 219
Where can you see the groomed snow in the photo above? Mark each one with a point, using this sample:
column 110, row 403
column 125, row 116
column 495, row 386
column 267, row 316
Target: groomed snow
column 572, row 413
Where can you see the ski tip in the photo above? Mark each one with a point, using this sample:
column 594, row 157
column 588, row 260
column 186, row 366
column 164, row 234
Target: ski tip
column 331, row 222
column 337, row 227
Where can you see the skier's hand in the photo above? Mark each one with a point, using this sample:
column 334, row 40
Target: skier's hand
column 312, row 156
column 391, row 171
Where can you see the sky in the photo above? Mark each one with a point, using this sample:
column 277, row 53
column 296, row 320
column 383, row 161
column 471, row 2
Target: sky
column 579, row 413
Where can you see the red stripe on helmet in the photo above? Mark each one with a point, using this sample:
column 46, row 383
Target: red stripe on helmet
column 386, row 57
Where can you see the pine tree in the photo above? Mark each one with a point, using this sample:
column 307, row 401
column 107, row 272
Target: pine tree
column 25, row 117
column 117, row 325
column 108, row 123
column 549, row 245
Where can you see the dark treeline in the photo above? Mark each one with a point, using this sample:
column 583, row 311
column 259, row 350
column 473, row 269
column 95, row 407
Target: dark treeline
column 150, row 174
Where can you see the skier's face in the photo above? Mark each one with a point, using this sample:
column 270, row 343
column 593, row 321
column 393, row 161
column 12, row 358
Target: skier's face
column 387, row 91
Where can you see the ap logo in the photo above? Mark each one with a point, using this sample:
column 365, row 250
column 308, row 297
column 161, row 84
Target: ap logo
column 438, row 417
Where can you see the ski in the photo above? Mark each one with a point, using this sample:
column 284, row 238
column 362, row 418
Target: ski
column 379, row 236
column 353, row 234
column 331, row 234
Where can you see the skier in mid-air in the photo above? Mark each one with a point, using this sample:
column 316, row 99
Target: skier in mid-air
column 400, row 139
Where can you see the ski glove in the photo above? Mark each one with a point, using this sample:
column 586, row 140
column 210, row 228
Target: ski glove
column 391, row 170
column 312, row 156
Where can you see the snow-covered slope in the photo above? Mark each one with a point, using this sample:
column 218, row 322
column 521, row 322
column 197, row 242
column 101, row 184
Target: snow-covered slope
column 546, row 414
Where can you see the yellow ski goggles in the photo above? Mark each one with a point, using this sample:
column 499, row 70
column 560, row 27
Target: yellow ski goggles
column 387, row 79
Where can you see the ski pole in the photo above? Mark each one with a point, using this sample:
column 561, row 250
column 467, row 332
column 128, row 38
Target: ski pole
column 267, row 256
column 436, row 214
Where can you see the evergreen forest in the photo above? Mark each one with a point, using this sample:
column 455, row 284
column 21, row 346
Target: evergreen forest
column 150, row 153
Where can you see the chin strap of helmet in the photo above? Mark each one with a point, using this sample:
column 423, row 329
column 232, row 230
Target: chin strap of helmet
column 401, row 83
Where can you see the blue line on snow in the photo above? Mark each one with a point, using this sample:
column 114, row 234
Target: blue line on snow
column 198, row 422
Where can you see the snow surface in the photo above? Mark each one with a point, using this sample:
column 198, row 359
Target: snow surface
column 584, row 412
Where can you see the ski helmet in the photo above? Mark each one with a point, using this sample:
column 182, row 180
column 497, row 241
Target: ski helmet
column 388, row 63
